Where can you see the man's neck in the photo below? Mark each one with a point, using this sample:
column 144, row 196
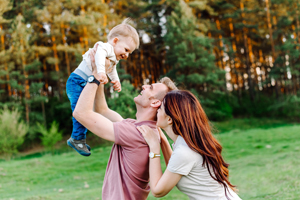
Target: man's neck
column 145, row 115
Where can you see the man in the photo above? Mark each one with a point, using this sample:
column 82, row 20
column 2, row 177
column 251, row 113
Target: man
column 127, row 173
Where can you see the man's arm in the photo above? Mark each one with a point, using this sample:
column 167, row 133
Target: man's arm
column 93, row 121
column 102, row 108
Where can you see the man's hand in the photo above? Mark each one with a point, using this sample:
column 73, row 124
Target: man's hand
column 117, row 85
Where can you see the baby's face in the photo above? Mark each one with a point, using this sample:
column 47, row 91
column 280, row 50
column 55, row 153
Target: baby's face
column 123, row 46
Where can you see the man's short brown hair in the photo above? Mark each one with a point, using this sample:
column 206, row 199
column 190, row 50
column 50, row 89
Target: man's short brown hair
column 169, row 83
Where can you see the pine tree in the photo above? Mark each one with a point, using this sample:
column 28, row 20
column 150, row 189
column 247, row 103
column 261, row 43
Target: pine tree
column 20, row 56
column 190, row 55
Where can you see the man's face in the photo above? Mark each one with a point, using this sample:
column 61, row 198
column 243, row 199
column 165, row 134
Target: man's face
column 150, row 93
column 123, row 46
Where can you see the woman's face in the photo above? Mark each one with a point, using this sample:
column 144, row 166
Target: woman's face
column 162, row 117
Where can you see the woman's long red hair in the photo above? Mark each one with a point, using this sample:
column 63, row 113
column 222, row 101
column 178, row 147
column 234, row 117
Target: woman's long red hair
column 191, row 123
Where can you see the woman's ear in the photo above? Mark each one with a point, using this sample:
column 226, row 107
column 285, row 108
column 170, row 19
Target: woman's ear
column 155, row 103
column 170, row 120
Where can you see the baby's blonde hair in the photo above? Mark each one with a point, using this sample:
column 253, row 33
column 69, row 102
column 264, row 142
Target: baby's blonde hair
column 125, row 30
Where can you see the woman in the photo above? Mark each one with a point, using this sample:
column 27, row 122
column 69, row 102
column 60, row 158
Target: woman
column 196, row 165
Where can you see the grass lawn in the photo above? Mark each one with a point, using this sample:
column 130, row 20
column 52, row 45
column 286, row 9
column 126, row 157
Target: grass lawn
column 264, row 164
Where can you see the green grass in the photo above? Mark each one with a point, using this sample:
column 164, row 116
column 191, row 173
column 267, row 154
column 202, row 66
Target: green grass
column 264, row 164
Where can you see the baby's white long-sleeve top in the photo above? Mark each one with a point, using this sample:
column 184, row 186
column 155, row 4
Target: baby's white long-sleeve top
column 104, row 50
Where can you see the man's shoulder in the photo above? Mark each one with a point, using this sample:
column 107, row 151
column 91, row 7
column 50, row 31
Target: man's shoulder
column 125, row 123
column 134, row 123
column 128, row 120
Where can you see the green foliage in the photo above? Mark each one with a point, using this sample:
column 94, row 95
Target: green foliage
column 193, row 63
column 123, row 102
column 51, row 136
column 243, row 124
column 12, row 131
column 264, row 105
column 289, row 107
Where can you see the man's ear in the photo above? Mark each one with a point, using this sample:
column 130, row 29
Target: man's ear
column 155, row 103
column 115, row 40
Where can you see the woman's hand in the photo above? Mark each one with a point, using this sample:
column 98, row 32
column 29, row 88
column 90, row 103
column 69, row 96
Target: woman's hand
column 151, row 137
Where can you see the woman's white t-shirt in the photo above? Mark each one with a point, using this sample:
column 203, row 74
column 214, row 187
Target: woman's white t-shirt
column 196, row 181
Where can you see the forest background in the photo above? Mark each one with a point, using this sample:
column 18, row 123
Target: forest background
column 239, row 57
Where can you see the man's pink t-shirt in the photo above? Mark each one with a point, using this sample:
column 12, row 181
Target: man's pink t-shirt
column 127, row 172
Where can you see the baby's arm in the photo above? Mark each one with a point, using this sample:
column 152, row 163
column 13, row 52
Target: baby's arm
column 113, row 75
column 100, row 57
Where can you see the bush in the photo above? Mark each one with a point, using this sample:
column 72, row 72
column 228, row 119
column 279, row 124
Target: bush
column 12, row 132
column 288, row 106
column 123, row 102
column 215, row 105
column 49, row 137
column 59, row 111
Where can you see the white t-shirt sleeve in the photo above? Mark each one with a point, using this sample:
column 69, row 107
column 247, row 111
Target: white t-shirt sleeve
column 100, row 57
column 181, row 161
column 104, row 50
column 113, row 75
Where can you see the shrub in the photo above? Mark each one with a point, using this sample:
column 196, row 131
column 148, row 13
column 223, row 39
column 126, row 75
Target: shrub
column 49, row 137
column 12, row 132
column 123, row 102
column 288, row 106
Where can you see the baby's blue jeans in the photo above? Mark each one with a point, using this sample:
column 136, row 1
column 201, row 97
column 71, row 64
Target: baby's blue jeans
column 74, row 87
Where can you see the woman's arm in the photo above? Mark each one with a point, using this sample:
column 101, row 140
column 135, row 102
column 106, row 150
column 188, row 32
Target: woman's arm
column 160, row 184
column 165, row 147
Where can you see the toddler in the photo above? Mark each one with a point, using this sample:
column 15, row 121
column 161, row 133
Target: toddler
column 123, row 39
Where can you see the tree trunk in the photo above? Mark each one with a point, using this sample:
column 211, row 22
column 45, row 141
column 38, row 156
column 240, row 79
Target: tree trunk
column 272, row 44
column 57, row 67
column 246, row 52
column 26, row 83
column 5, row 64
column 66, row 53
column 42, row 102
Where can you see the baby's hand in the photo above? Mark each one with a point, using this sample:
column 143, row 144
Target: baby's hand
column 117, row 86
column 103, row 78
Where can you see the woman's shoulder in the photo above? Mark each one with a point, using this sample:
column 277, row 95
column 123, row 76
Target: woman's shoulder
column 184, row 151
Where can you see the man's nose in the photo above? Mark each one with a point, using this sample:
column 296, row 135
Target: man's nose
column 144, row 87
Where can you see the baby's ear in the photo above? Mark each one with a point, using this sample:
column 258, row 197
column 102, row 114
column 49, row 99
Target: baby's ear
column 115, row 40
